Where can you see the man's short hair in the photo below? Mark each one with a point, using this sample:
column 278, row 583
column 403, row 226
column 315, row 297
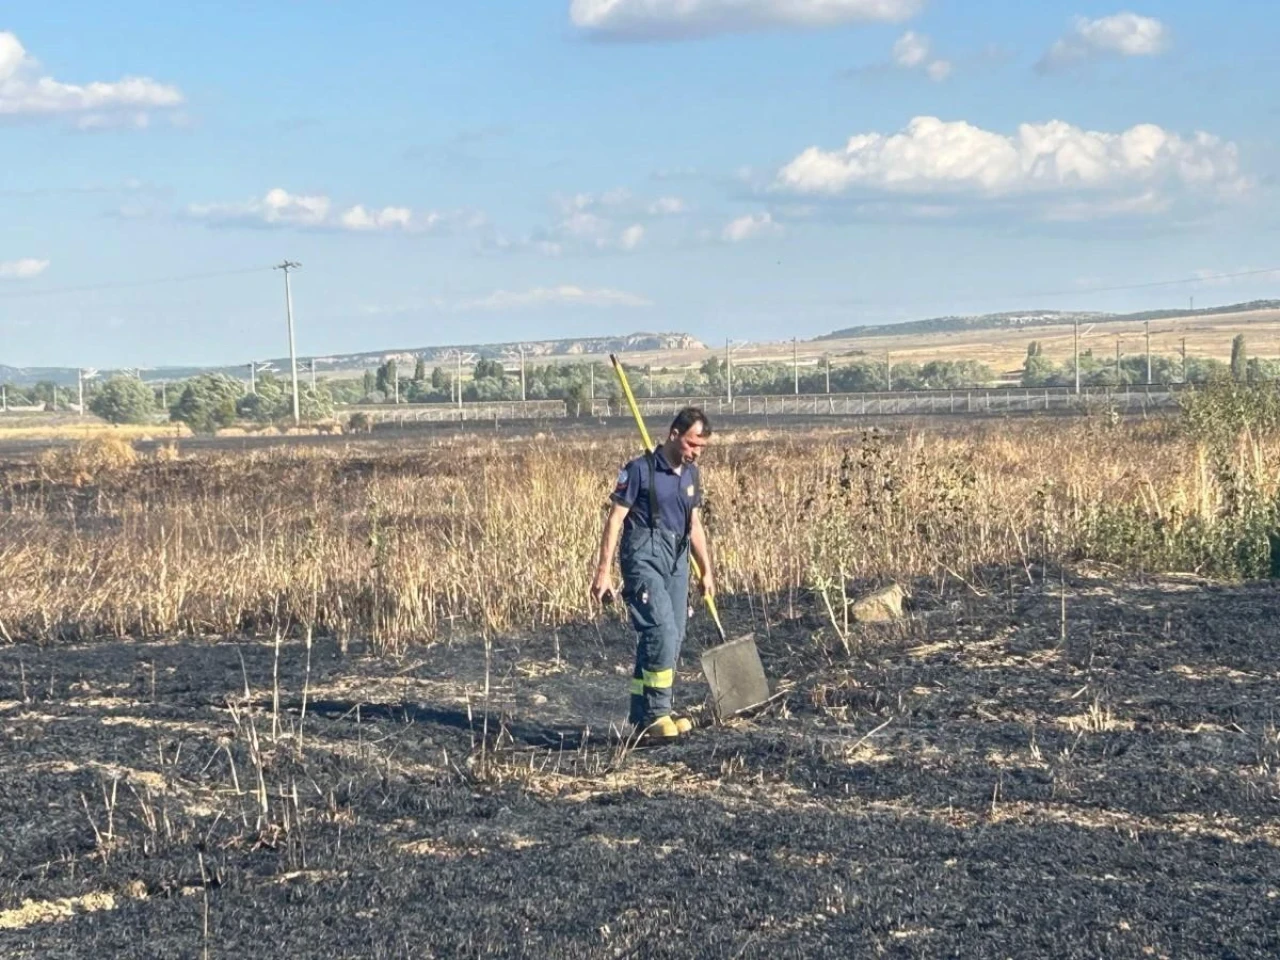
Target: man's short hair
column 687, row 417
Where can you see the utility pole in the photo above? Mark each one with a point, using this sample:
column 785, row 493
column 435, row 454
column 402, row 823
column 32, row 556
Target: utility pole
column 728, row 369
column 459, row 379
column 257, row 366
column 1075, row 344
column 888, row 373
column 828, row 374
column 523, row 397
column 286, row 266
column 1147, row 323
column 795, row 362
column 593, row 381
column 728, row 365
column 650, row 372
column 81, row 376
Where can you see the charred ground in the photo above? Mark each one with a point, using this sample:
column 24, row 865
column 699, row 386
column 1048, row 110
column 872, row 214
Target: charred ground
column 1070, row 765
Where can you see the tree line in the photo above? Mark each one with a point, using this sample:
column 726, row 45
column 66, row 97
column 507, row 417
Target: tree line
column 209, row 401
column 1104, row 371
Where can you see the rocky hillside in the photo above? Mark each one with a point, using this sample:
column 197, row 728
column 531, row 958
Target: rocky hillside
column 533, row 350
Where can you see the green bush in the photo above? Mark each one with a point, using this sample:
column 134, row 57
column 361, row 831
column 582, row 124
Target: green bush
column 124, row 400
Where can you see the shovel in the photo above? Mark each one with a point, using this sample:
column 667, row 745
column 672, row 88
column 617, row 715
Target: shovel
column 732, row 668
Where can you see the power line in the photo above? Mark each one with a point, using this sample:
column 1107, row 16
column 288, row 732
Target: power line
column 127, row 284
column 1155, row 283
column 1022, row 296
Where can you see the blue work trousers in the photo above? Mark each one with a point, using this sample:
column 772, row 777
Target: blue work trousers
column 655, row 586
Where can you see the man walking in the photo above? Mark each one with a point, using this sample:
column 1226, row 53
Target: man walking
column 657, row 512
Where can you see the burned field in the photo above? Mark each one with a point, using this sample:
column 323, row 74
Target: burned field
column 1075, row 764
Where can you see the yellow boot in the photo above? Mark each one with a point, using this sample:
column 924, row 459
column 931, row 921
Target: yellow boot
column 661, row 730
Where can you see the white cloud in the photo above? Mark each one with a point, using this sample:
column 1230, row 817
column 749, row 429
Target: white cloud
column 751, row 227
column 27, row 267
column 631, row 237
column 597, row 222
column 1147, row 203
column 388, row 218
column 680, row 19
column 667, row 207
column 586, row 202
column 938, row 70
column 1141, row 166
column 911, row 52
column 279, row 208
column 555, row 296
column 1121, row 35
column 26, row 91
column 585, row 226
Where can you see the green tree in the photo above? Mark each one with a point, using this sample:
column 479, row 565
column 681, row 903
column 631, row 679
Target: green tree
column 124, row 400
column 207, row 402
column 579, row 398
column 1039, row 371
column 489, row 368
column 269, row 403
column 1239, row 360
column 314, row 404
column 369, row 382
column 385, row 380
column 419, row 371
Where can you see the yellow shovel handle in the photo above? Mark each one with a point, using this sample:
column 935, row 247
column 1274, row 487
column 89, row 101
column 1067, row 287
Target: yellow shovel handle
column 648, row 446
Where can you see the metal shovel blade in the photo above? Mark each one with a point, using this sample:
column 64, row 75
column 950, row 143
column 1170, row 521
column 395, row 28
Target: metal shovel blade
column 736, row 676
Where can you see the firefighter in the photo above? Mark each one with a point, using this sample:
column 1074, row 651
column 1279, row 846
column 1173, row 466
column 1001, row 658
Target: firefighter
column 657, row 515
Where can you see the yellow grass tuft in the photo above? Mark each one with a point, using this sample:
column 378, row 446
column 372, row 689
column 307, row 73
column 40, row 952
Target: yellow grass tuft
column 88, row 461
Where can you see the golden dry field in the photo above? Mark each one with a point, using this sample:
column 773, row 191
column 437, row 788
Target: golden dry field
column 49, row 426
column 401, row 541
column 1005, row 349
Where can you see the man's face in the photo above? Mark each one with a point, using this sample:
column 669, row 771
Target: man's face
column 691, row 443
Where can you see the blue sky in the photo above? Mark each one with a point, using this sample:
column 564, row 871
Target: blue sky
column 465, row 172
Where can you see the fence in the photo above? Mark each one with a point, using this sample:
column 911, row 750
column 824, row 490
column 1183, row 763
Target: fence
column 468, row 412
column 1133, row 399
column 1125, row 399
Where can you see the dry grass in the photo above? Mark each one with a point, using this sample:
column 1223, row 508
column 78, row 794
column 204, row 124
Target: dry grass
column 1005, row 349
column 500, row 536
column 58, row 427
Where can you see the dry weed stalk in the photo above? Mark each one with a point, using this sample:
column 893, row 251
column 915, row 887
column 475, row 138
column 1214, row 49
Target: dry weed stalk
column 398, row 547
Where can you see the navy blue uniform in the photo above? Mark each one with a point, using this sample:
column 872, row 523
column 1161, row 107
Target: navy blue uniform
column 654, row 557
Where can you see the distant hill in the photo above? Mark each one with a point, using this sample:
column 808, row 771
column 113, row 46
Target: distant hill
column 1033, row 318
column 354, row 362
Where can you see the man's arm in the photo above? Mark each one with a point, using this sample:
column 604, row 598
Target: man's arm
column 701, row 552
column 602, row 582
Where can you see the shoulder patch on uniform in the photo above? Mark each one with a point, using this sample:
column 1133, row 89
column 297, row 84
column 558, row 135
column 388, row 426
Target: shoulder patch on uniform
column 689, row 490
column 622, row 478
